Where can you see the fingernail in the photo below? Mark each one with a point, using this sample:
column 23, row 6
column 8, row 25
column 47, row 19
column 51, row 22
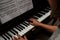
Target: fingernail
column 16, row 36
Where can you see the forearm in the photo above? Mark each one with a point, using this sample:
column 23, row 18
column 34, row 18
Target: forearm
column 48, row 27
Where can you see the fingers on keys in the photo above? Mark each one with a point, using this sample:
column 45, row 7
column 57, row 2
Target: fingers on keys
column 18, row 37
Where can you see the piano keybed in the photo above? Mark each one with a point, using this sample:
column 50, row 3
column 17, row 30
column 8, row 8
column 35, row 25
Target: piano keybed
column 24, row 27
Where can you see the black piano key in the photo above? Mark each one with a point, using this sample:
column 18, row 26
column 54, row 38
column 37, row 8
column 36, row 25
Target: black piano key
column 4, row 37
column 15, row 31
column 25, row 24
column 7, row 36
column 49, row 8
column 35, row 17
column 21, row 27
column 12, row 32
column 38, row 15
column 46, row 10
column 29, row 20
column 18, row 28
column 42, row 12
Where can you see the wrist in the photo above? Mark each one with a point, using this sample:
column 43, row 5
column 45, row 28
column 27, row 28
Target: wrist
column 40, row 24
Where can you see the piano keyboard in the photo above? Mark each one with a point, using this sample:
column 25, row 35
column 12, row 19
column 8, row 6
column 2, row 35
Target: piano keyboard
column 25, row 26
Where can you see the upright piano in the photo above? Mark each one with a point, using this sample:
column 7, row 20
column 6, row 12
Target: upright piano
column 15, row 14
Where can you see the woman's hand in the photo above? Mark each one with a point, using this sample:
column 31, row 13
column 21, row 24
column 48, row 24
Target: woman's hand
column 34, row 22
column 19, row 37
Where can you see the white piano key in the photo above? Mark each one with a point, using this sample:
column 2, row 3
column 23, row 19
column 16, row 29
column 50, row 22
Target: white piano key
column 36, row 16
column 39, row 19
column 30, row 26
column 23, row 25
column 10, row 33
column 18, row 31
column 40, row 14
column 26, row 22
column 47, row 9
column 19, row 28
column 44, row 16
column 1, row 38
column 8, row 36
column 43, row 12
column 13, row 31
column 5, row 37
column 23, row 29
column 27, row 29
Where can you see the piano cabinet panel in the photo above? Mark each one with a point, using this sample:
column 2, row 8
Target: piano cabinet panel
column 40, row 4
column 38, row 33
